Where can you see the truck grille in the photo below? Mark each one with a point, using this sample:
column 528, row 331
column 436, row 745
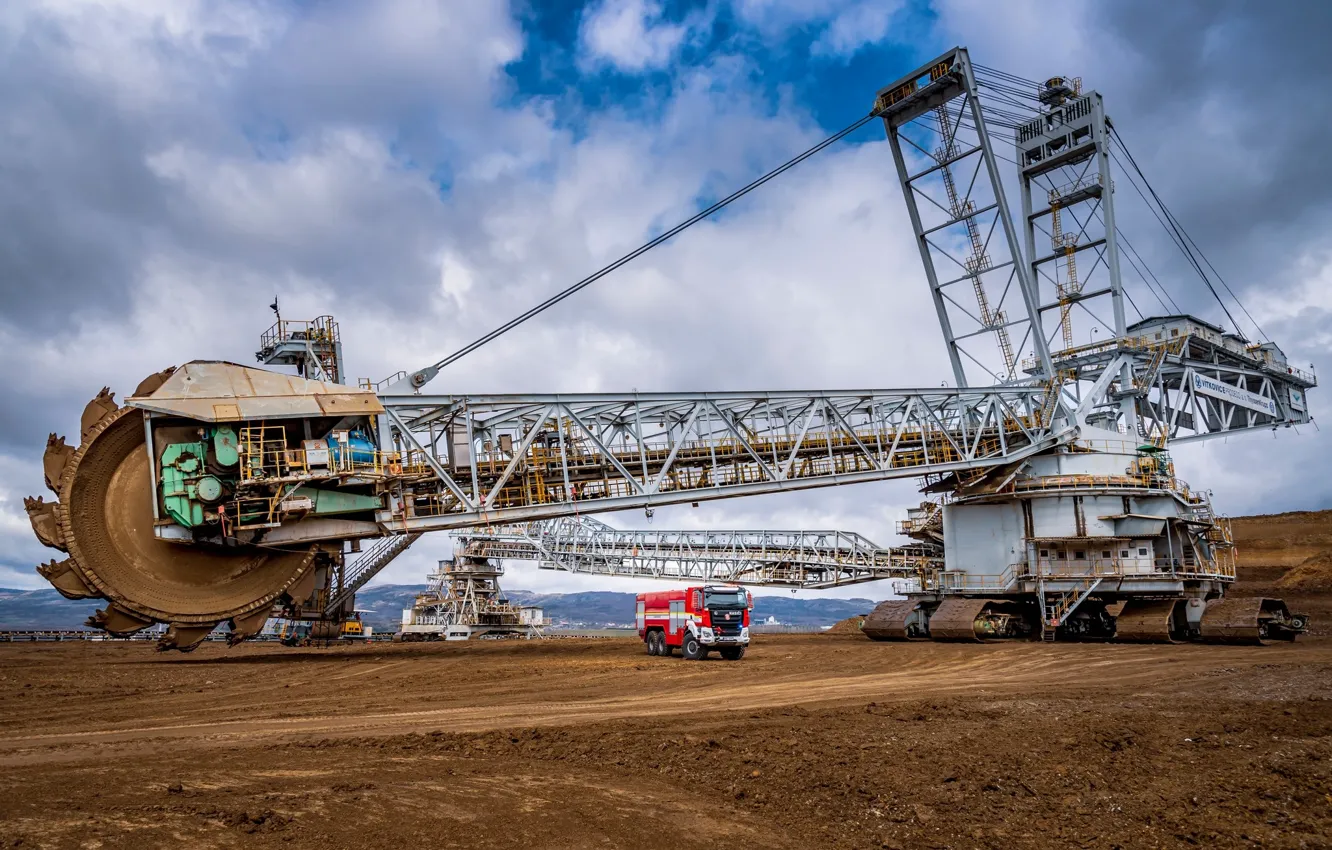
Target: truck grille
column 722, row 626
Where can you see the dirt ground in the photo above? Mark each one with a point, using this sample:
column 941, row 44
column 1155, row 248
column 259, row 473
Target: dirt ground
column 811, row 741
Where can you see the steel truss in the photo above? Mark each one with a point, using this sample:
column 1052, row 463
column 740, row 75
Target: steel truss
column 960, row 218
column 1167, row 390
column 797, row 559
column 497, row 459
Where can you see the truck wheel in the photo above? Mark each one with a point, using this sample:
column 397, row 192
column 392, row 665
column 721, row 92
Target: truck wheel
column 692, row 650
column 651, row 641
column 732, row 653
column 666, row 649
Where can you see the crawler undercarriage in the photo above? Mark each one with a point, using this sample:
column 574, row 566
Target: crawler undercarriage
column 1234, row 620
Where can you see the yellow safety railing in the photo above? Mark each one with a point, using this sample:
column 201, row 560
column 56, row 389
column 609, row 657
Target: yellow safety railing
column 319, row 330
column 266, row 455
column 263, row 452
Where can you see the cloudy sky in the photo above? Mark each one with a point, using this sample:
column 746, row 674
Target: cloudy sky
column 425, row 170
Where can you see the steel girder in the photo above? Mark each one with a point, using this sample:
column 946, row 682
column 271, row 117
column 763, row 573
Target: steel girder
column 496, row 459
column 1187, row 390
column 795, row 559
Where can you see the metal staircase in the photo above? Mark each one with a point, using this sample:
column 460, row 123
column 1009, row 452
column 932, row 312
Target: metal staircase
column 1058, row 610
column 364, row 568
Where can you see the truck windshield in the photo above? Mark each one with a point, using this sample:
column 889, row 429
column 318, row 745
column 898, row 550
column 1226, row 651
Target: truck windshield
column 727, row 598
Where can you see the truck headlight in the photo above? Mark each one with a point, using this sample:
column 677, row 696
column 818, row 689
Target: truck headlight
column 707, row 633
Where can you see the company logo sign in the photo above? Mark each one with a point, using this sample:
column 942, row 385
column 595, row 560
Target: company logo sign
column 1219, row 389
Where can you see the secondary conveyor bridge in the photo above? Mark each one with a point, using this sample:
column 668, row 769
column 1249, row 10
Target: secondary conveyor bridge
column 810, row 560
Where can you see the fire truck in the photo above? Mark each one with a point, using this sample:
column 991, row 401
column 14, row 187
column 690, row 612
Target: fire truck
column 697, row 620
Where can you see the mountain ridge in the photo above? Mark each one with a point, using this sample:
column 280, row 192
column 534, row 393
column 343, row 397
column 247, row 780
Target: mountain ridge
column 382, row 606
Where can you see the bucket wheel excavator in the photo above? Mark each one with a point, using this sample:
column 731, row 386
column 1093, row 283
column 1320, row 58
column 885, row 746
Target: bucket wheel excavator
column 221, row 493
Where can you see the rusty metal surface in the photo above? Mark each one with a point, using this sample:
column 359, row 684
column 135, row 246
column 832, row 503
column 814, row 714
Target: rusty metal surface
column 65, row 579
column 250, row 625
column 57, row 455
column 41, row 514
column 888, row 621
column 117, row 621
column 102, row 406
column 150, row 384
column 955, row 619
column 183, row 638
column 1146, row 621
column 1236, row 619
column 215, row 391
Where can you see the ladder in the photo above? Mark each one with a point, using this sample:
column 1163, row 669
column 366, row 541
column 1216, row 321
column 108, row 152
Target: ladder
column 979, row 261
column 1144, row 380
column 1053, row 391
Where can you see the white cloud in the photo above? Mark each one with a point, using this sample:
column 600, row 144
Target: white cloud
column 856, row 26
column 631, row 35
column 149, row 54
column 842, row 26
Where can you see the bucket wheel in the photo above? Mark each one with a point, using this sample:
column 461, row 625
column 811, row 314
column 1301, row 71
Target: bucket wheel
column 103, row 521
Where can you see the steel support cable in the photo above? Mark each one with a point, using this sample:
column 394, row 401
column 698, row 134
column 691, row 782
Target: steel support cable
column 1163, row 293
column 1130, row 253
column 1191, row 247
column 1001, row 73
column 1174, row 232
column 1009, row 87
column 1129, row 296
column 1016, row 96
column 1006, row 75
column 1150, row 208
column 639, row 251
column 1261, row 333
column 1196, row 249
column 1130, row 257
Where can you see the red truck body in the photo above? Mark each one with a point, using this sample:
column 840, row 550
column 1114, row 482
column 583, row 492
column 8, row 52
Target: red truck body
column 695, row 620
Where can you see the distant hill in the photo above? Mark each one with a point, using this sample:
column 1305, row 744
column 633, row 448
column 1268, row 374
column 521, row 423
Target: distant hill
column 603, row 607
column 383, row 604
column 43, row 609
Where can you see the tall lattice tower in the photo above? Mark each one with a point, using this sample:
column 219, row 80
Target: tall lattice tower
column 950, row 178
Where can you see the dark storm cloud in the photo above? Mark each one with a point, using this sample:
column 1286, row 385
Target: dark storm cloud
column 77, row 203
column 1226, row 110
column 89, row 113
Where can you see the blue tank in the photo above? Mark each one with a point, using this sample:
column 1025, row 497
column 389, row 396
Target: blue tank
column 359, row 445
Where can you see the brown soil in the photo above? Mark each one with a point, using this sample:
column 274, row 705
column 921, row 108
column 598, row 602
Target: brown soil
column 1288, row 556
column 1312, row 575
column 1282, row 540
column 810, row 741
column 849, row 626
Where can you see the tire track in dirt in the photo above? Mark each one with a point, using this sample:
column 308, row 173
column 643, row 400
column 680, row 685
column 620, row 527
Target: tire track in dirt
column 972, row 669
